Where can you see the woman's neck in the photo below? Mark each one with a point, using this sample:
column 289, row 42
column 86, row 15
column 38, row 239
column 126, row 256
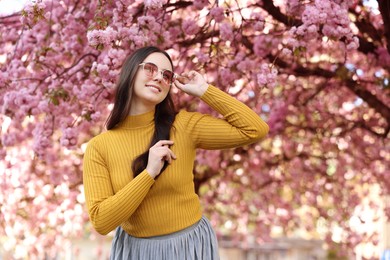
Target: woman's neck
column 136, row 121
column 140, row 109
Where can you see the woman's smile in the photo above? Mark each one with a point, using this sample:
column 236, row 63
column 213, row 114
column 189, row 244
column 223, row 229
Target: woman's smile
column 154, row 88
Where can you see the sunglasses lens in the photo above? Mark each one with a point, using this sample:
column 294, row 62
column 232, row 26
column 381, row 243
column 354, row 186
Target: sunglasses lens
column 168, row 76
column 150, row 69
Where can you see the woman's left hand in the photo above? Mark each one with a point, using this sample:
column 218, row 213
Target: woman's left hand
column 192, row 83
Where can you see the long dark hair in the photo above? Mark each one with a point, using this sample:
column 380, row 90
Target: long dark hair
column 164, row 114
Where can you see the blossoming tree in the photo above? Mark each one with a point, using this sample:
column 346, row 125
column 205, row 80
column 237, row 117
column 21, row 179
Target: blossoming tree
column 317, row 71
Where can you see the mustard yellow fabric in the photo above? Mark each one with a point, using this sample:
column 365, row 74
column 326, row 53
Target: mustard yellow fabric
column 146, row 207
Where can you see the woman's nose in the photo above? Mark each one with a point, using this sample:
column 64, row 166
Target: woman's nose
column 158, row 75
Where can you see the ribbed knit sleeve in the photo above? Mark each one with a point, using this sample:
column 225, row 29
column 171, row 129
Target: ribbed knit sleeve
column 106, row 209
column 240, row 126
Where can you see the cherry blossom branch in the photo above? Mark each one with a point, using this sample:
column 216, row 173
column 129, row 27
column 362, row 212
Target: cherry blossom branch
column 353, row 85
column 365, row 26
column 178, row 5
column 364, row 45
column 201, row 37
column 384, row 8
column 77, row 62
column 317, row 91
column 277, row 14
column 16, row 15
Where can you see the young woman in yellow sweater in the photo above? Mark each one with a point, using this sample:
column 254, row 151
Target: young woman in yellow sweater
column 138, row 175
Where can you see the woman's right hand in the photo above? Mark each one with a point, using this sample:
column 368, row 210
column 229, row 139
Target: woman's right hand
column 158, row 154
column 192, row 83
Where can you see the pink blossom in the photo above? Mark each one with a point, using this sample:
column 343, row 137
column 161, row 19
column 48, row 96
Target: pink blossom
column 105, row 37
column 202, row 58
column 246, row 65
column 352, row 46
column 148, row 22
column 260, row 46
column 286, row 52
column 140, row 40
column 69, row 137
column 259, row 26
column 102, row 69
column 384, row 56
column 267, row 76
column 227, row 76
column 93, row 37
column 226, row 31
column 4, row 76
column 190, row 27
column 312, row 28
column 9, row 139
column 217, row 13
column 174, row 32
column 41, row 143
column 96, row 116
column 154, row 4
column 200, row 4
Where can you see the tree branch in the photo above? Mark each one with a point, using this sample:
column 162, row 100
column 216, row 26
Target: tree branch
column 278, row 15
column 353, row 85
column 384, row 8
column 364, row 45
column 200, row 37
column 365, row 26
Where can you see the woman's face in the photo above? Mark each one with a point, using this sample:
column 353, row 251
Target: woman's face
column 151, row 86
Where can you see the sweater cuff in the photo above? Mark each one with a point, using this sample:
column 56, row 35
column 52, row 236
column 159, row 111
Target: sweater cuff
column 208, row 93
column 146, row 178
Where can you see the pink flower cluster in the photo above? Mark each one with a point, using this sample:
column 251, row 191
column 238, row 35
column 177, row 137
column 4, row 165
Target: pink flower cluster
column 332, row 17
column 190, row 27
column 42, row 133
column 262, row 44
column 226, row 31
column 69, row 137
column 217, row 13
column 200, row 4
column 267, row 76
column 154, row 4
column 105, row 37
column 258, row 21
column 384, row 60
column 32, row 13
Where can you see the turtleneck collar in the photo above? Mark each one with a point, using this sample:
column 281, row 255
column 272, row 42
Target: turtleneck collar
column 137, row 121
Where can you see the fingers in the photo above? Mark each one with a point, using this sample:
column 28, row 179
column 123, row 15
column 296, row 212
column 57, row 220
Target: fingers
column 169, row 155
column 191, row 83
column 178, row 84
column 163, row 142
column 186, row 77
column 162, row 150
column 159, row 153
column 183, row 79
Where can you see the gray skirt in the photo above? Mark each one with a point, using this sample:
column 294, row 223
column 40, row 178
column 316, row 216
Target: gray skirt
column 197, row 242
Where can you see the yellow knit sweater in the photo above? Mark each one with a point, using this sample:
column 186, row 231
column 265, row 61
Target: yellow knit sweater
column 146, row 207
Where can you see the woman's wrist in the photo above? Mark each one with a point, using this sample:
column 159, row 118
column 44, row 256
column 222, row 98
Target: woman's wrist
column 204, row 88
column 151, row 173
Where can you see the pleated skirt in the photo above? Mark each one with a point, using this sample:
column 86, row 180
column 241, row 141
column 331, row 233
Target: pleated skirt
column 197, row 242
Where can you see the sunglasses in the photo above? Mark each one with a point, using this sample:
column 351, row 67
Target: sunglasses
column 151, row 70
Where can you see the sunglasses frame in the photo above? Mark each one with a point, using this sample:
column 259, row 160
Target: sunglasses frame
column 174, row 75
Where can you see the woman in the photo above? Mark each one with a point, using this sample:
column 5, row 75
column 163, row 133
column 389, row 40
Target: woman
column 138, row 174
